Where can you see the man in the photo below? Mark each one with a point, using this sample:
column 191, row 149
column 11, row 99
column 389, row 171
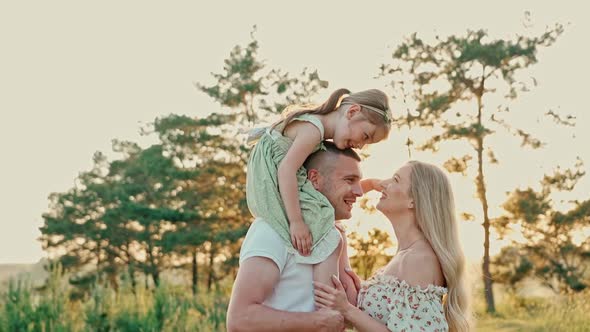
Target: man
column 274, row 293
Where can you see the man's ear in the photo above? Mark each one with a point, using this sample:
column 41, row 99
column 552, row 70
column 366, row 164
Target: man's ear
column 352, row 110
column 313, row 175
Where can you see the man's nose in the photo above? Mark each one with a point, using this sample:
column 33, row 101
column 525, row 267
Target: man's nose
column 357, row 190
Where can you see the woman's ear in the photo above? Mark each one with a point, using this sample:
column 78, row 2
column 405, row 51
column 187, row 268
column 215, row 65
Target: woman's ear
column 411, row 204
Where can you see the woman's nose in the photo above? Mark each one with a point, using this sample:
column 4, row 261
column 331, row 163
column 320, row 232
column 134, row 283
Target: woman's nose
column 383, row 184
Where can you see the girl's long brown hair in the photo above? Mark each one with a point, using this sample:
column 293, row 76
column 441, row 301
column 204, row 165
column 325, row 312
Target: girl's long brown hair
column 372, row 98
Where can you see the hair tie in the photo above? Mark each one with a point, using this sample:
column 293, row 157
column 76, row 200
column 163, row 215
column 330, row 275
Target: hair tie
column 339, row 102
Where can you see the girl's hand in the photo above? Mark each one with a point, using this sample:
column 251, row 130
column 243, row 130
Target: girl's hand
column 330, row 297
column 301, row 237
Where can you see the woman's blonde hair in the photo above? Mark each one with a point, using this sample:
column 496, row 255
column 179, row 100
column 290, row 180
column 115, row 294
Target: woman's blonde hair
column 435, row 214
column 374, row 106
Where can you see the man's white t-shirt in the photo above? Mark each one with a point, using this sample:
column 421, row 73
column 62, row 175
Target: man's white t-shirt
column 294, row 291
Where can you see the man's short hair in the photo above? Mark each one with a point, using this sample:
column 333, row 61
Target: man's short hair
column 321, row 159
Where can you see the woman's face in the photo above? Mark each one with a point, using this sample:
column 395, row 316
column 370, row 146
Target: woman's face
column 395, row 198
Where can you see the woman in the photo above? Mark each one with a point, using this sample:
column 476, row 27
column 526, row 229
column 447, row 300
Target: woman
column 422, row 288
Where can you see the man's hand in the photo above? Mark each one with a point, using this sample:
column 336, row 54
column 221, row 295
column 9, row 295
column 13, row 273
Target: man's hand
column 330, row 320
column 301, row 237
column 331, row 297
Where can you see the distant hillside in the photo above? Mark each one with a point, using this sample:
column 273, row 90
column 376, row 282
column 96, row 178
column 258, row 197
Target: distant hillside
column 35, row 272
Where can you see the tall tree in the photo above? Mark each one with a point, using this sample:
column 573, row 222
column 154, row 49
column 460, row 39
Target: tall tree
column 216, row 191
column 74, row 230
column 444, row 78
column 551, row 253
column 148, row 182
column 254, row 92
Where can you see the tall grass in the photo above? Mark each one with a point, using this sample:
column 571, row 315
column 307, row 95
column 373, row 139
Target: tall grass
column 174, row 308
column 559, row 313
column 166, row 308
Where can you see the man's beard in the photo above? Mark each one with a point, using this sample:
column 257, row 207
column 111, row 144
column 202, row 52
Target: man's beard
column 328, row 187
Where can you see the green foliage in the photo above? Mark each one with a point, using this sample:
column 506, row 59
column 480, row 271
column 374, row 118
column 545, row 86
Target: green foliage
column 442, row 77
column 550, row 253
column 166, row 308
column 255, row 93
column 370, row 251
column 21, row 310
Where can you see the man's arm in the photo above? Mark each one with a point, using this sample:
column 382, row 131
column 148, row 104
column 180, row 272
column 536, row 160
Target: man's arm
column 257, row 277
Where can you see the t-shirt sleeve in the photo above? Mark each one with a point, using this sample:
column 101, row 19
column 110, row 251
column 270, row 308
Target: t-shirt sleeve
column 262, row 241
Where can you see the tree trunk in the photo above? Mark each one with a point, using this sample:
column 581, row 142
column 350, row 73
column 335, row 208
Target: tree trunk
column 130, row 268
column 153, row 267
column 113, row 281
column 155, row 276
column 98, row 262
column 131, row 272
column 195, row 274
column 210, row 277
column 481, row 191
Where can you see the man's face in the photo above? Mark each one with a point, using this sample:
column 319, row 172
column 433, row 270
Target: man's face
column 341, row 184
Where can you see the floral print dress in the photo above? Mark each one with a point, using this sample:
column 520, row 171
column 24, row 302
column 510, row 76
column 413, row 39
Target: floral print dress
column 402, row 307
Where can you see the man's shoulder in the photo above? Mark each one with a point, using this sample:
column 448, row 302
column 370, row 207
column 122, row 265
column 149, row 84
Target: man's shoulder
column 260, row 229
column 262, row 241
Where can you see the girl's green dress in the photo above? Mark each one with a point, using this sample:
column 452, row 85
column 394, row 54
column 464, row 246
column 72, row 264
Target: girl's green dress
column 265, row 201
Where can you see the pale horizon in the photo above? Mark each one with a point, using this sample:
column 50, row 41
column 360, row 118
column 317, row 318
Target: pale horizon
column 75, row 76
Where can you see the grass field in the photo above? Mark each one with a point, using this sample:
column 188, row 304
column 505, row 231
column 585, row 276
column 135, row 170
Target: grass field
column 23, row 307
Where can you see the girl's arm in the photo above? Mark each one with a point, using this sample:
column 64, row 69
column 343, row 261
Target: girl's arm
column 335, row 298
column 307, row 137
column 370, row 184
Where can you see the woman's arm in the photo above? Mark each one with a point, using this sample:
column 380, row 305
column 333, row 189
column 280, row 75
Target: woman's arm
column 363, row 322
column 307, row 137
column 335, row 298
column 370, row 184
column 348, row 278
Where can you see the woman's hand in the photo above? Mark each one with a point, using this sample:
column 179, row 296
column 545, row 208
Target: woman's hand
column 370, row 184
column 349, row 287
column 355, row 278
column 330, row 297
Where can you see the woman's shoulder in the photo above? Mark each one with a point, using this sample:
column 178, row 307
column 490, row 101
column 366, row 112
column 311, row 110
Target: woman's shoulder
column 422, row 268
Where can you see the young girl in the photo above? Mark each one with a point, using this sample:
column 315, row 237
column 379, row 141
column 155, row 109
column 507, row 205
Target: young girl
column 277, row 188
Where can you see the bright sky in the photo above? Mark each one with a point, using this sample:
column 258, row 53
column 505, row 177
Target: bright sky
column 75, row 75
